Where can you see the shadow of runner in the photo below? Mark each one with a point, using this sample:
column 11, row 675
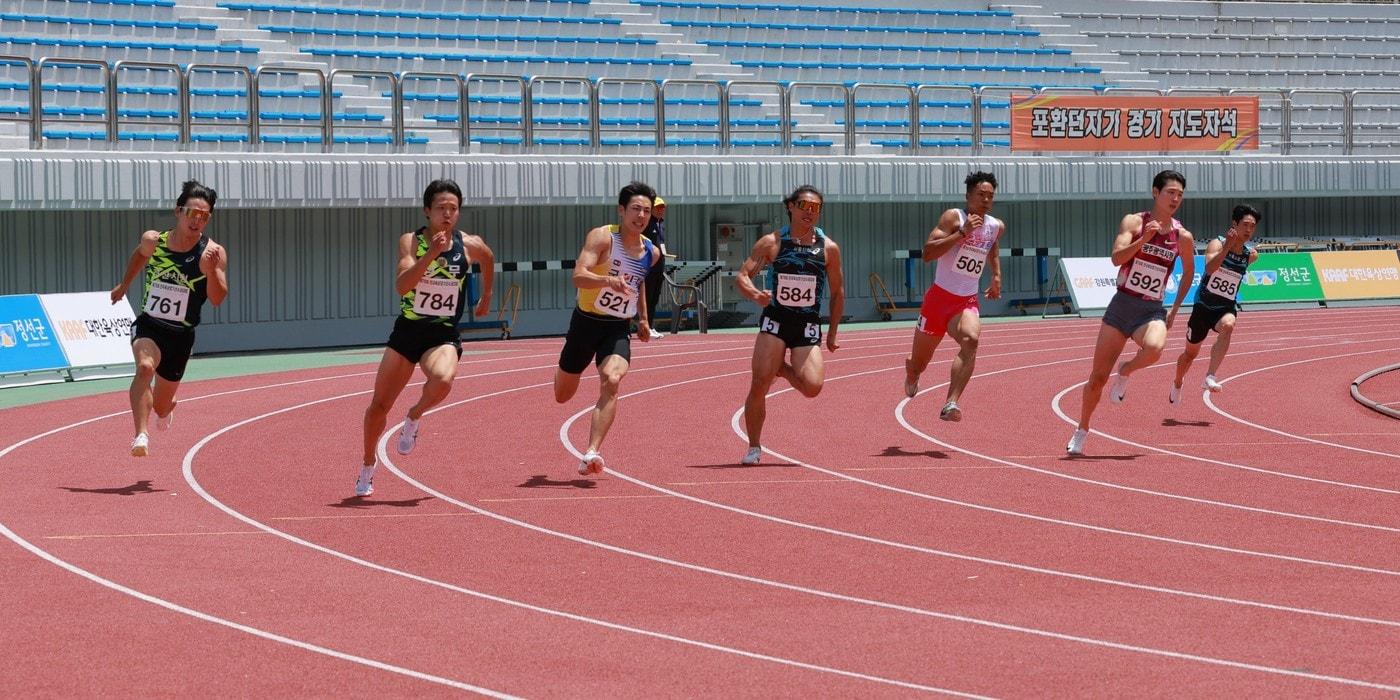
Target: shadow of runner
column 736, row 465
column 368, row 501
column 1174, row 423
column 542, row 481
column 897, row 451
column 142, row 486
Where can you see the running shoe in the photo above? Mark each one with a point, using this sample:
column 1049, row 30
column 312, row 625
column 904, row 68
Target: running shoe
column 1076, row 442
column 592, row 463
column 950, row 412
column 364, row 485
column 140, row 445
column 1175, row 396
column 1119, row 390
column 408, row 436
column 1211, row 384
column 752, row 456
column 656, row 334
column 162, row 423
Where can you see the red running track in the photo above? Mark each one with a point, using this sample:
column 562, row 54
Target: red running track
column 1246, row 542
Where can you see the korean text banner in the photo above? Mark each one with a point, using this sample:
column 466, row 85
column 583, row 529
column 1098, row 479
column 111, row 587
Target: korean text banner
column 1125, row 123
column 27, row 341
column 1370, row 274
column 90, row 328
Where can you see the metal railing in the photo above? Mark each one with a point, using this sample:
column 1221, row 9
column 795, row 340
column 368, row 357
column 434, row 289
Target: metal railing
column 767, row 97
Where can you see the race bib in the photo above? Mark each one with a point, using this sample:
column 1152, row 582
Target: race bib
column 1224, row 282
column 970, row 261
column 1147, row 278
column 797, row 290
column 435, row 296
column 168, row 302
column 619, row 304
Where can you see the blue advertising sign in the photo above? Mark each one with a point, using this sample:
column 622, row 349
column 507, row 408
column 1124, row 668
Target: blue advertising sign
column 27, row 339
column 1174, row 282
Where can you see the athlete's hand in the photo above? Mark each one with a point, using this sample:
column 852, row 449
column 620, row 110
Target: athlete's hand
column 1232, row 239
column 118, row 292
column 212, row 259
column 616, row 283
column 1171, row 317
column 763, row 297
column 643, row 331
column 1151, row 229
column 973, row 222
column 994, row 291
column 483, row 307
column 440, row 242
column 831, row 343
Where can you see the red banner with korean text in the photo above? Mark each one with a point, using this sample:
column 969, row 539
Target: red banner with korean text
column 1128, row 123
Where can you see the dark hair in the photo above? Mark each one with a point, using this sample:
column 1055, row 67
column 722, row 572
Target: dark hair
column 635, row 188
column 437, row 187
column 192, row 189
column 974, row 179
column 1165, row 176
column 798, row 193
column 1243, row 210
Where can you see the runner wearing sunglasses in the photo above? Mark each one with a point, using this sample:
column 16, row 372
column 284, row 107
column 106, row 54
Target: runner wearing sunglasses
column 804, row 262
column 182, row 268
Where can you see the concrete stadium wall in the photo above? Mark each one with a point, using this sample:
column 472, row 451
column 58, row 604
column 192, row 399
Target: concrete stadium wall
column 318, row 275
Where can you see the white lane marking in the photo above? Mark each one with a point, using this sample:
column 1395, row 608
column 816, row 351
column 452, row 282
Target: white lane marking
column 1296, row 436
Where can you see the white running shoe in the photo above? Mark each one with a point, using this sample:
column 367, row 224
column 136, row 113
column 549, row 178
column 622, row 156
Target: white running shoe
column 140, row 445
column 656, row 334
column 1119, row 391
column 1211, row 384
column 1175, row 396
column 592, row 463
column 1076, row 442
column 408, row 436
column 364, row 486
column 752, row 456
column 950, row 412
column 162, row 423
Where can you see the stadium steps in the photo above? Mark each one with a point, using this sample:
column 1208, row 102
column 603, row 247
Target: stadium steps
column 1058, row 33
column 641, row 23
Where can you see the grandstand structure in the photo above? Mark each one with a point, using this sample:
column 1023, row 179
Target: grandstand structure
column 320, row 122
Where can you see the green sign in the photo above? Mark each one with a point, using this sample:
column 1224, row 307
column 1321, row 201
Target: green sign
column 1281, row 277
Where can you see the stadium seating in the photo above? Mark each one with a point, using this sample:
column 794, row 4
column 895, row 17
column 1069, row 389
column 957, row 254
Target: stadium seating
column 530, row 71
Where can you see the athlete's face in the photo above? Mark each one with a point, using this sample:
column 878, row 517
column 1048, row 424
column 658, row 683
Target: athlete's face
column 636, row 214
column 1168, row 199
column 443, row 214
column 194, row 215
column 1245, row 226
column 979, row 200
column 805, row 210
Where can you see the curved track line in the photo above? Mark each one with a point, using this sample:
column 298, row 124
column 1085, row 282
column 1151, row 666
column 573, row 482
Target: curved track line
column 1207, row 399
column 188, row 470
column 563, row 434
column 900, row 417
column 206, row 617
column 1055, row 405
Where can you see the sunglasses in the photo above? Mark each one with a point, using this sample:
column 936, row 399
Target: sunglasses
column 196, row 214
column 808, row 206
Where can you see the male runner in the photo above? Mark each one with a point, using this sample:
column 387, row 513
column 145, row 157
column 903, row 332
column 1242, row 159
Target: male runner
column 804, row 262
column 183, row 268
column 964, row 243
column 1145, row 249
